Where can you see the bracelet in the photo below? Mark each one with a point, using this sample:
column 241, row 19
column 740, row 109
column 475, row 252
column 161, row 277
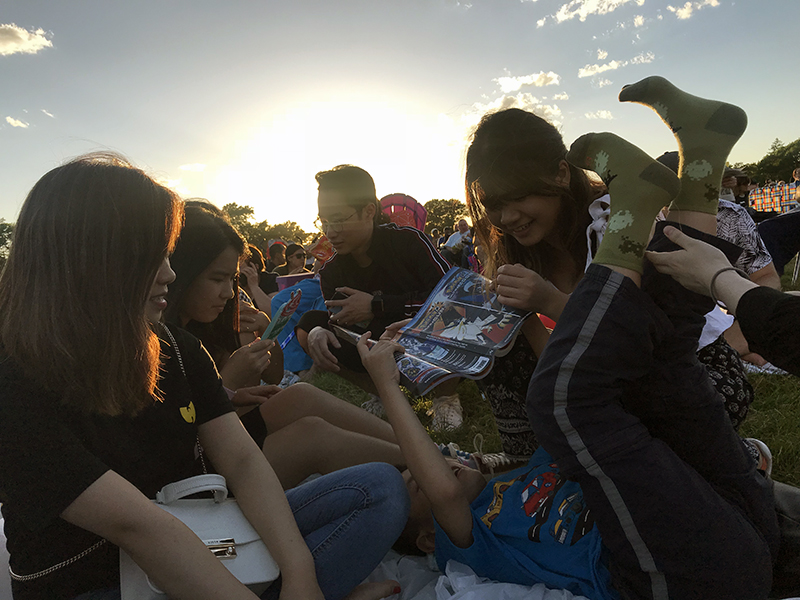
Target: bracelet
column 714, row 279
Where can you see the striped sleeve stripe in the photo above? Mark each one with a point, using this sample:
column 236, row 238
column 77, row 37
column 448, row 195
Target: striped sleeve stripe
column 561, row 399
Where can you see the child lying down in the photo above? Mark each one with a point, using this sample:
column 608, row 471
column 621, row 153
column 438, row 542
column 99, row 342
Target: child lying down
column 641, row 489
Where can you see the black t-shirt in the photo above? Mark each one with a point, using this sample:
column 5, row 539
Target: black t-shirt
column 770, row 321
column 50, row 454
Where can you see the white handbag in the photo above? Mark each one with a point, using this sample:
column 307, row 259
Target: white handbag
column 219, row 522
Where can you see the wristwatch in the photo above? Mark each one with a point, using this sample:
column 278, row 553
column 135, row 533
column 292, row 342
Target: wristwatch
column 377, row 303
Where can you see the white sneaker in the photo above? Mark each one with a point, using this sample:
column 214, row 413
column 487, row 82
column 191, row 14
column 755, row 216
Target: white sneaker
column 761, row 454
column 374, row 406
column 489, row 461
column 447, row 413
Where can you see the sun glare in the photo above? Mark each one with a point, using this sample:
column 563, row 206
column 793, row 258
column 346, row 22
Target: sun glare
column 274, row 169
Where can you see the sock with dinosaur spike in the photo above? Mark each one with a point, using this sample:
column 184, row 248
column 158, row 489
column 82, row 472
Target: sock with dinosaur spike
column 639, row 188
column 706, row 131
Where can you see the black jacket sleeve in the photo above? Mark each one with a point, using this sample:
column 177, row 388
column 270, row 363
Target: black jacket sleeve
column 770, row 322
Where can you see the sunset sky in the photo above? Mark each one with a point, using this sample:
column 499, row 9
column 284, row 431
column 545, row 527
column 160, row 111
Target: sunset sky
column 244, row 101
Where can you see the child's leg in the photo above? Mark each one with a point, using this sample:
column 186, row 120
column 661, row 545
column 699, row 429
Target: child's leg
column 706, row 130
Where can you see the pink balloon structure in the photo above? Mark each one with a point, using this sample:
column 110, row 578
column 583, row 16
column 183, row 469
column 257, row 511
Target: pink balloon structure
column 404, row 211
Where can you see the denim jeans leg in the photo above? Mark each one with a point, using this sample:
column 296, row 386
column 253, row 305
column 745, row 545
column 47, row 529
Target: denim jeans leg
column 349, row 519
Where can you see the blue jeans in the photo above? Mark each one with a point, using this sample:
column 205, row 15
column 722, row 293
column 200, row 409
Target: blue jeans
column 349, row 519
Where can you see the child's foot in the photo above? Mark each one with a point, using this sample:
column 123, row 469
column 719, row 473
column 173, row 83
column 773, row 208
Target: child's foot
column 639, row 188
column 706, row 131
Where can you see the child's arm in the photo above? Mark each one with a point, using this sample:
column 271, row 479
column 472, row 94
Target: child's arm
column 431, row 471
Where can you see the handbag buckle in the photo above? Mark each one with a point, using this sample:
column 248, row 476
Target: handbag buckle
column 223, row 549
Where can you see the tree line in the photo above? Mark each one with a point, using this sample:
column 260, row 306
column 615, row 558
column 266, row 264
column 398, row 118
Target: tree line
column 776, row 165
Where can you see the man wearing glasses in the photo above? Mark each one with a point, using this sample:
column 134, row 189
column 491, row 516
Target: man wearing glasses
column 379, row 275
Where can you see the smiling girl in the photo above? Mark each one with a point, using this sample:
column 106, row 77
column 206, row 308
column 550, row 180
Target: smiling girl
column 533, row 213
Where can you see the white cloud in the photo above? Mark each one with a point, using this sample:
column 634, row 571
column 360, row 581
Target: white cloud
column 584, row 8
column 541, row 79
column 687, row 10
column 603, row 83
column 541, row 22
column 194, row 167
column 643, row 58
column 600, row 114
column 15, row 40
column 639, row 59
column 638, row 20
column 561, row 96
column 48, row 114
column 522, row 100
column 590, row 70
column 15, row 123
column 602, row 54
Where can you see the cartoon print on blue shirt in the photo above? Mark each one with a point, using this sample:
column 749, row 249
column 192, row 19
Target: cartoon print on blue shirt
column 498, row 489
column 572, row 509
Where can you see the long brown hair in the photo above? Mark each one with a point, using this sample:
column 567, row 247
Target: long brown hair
column 89, row 240
column 514, row 154
column 206, row 233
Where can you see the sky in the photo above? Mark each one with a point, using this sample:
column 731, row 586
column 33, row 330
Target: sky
column 244, row 101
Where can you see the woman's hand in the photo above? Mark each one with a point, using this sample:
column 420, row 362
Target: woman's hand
column 252, row 320
column 244, row 366
column 356, row 308
column 392, row 332
column 319, row 342
column 694, row 266
column 254, row 395
column 379, row 360
column 522, row 288
column 249, row 270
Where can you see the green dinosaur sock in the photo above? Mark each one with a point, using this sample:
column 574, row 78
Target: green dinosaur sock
column 639, row 188
column 706, row 131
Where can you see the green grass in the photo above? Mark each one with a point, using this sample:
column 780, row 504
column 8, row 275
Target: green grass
column 477, row 413
column 774, row 418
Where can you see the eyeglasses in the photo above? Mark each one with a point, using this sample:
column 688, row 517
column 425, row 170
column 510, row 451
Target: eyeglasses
column 323, row 224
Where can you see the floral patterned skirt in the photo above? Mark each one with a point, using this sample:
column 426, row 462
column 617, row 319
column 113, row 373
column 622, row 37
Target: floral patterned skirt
column 506, row 388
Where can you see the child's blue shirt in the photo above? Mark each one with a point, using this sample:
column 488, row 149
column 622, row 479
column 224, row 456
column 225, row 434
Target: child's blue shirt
column 531, row 526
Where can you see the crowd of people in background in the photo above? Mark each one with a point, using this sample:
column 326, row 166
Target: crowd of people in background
column 133, row 355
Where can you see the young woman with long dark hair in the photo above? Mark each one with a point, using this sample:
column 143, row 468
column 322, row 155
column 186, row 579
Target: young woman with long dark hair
column 96, row 415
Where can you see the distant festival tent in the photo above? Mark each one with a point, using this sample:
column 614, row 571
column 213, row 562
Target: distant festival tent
column 404, row 211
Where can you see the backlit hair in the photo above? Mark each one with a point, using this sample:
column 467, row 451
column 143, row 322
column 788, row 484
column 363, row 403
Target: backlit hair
column 88, row 243
column 514, row 154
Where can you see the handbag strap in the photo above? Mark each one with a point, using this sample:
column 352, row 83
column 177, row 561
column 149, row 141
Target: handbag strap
column 193, row 485
column 175, row 347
